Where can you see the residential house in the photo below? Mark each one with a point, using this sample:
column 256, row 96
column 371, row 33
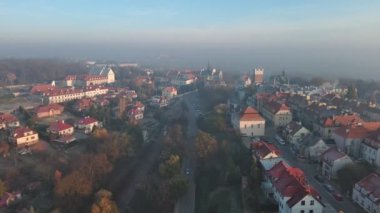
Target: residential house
column 370, row 148
column 23, row 136
column 49, row 110
column 366, row 193
column 159, row 101
column 277, row 113
column 333, row 161
column 8, row 121
column 262, row 150
column 312, row 147
column 135, row 114
column 87, row 124
column 60, row 128
column 294, row 132
column 349, row 138
column 251, row 123
column 169, row 92
column 288, row 187
column 325, row 127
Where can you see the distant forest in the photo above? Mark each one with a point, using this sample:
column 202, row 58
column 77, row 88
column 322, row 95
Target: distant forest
column 23, row 71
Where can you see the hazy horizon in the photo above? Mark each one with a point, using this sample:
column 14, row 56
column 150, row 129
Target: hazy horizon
column 339, row 38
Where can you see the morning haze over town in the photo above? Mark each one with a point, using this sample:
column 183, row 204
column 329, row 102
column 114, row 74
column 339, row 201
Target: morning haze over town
column 189, row 106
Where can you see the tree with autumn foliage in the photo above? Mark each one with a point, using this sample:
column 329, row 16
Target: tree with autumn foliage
column 104, row 203
column 205, row 145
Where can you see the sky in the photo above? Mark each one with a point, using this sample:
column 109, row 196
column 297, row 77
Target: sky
column 323, row 37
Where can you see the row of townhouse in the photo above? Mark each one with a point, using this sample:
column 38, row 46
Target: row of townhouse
column 64, row 95
column 285, row 185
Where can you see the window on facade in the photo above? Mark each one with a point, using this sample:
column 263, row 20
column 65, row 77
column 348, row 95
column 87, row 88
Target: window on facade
column 302, row 203
column 311, row 202
column 258, row 125
column 302, row 211
column 251, row 125
column 245, row 126
column 311, row 211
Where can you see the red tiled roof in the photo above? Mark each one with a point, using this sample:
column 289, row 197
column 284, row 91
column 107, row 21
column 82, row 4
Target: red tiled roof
column 262, row 149
column 275, row 107
column 87, row 121
column 371, row 184
column 42, row 88
column 353, row 132
column 59, row 126
column 7, row 118
column 21, row 131
column 139, row 104
column 342, row 120
column 250, row 114
column 290, row 182
column 94, row 77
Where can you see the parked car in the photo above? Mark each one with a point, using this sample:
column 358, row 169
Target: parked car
column 328, row 187
column 337, row 196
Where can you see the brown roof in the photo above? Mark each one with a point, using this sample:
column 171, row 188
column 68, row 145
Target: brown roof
column 250, row 114
column 371, row 184
column 47, row 108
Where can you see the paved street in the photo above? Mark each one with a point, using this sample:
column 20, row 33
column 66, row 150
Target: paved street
column 332, row 205
column 186, row 204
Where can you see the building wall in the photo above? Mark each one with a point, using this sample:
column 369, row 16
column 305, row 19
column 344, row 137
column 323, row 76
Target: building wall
column 362, row 200
column 26, row 140
column 252, row 128
column 299, row 135
column 310, row 203
column 282, row 118
column 314, row 152
column 370, row 154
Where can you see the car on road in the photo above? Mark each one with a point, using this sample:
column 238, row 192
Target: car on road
column 24, row 151
column 328, row 187
column 337, row 196
column 319, row 178
column 187, row 171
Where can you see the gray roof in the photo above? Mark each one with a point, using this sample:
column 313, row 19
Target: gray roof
column 100, row 70
column 270, row 162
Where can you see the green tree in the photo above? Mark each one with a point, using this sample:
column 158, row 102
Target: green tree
column 178, row 186
column 351, row 174
column 104, row 203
